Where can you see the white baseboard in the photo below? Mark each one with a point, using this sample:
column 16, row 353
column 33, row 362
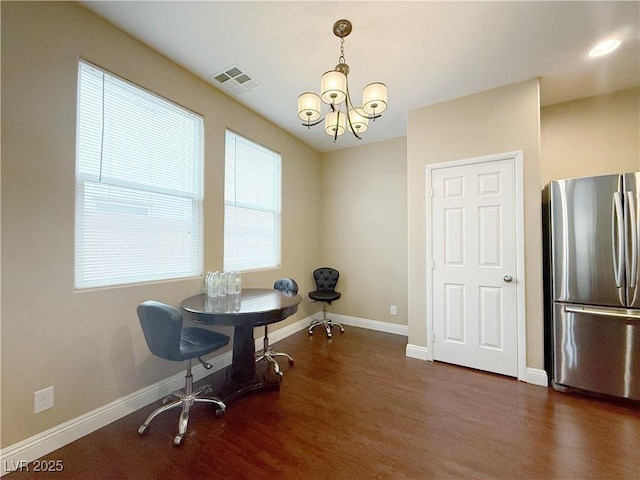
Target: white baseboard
column 416, row 351
column 370, row 324
column 536, row 376
column 533, row 376
column 32, row 448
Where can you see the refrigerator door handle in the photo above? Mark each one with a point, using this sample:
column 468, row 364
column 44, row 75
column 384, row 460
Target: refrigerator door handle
column 603, row 312
column 633, row 262
column 618, row 256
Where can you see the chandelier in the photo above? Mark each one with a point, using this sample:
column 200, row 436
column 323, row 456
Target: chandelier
column 334, row 91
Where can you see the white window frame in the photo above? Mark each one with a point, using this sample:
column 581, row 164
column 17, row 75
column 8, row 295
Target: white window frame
column 253, row 192
column 139, row 184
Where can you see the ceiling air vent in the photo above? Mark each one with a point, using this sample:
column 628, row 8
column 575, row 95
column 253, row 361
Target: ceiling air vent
column 234, row 79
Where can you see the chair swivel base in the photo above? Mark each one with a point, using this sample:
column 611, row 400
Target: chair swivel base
column 327, row 323
column 185, row 399
column 268, row 356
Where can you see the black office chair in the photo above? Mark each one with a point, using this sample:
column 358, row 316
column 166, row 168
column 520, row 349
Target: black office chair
column 288, row 286
column 162, row 328
column 326, row 279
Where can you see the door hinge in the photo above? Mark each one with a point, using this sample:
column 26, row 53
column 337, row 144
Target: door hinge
column 431, row 193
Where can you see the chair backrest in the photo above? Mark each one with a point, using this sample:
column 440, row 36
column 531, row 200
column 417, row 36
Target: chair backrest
column 162, row 328
column 326, row 278
column 286, row 285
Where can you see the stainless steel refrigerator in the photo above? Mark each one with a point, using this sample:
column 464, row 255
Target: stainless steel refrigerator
column 592, row 284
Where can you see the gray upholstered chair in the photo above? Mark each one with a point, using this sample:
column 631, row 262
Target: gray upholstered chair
column 167, row 339
column 288, row 286
column 326, row 279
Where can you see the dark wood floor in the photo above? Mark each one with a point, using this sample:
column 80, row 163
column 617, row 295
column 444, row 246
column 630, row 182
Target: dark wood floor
column 356, row 408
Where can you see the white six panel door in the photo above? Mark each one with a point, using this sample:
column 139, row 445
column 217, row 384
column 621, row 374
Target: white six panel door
column 474, row 266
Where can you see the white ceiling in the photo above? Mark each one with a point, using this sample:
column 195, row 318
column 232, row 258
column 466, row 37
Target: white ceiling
column 425, row 51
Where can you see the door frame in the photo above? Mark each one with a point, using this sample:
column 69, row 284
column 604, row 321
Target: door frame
column 517, row 157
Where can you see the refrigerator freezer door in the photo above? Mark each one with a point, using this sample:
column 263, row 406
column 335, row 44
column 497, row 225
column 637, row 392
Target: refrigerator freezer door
column 597, row 350
column 587, row 248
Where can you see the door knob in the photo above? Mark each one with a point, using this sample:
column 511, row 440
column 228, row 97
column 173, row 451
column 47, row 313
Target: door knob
column 507, row 278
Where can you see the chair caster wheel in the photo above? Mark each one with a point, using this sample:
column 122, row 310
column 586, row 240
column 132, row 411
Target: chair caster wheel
column 178, row 440
column 291, row 362
column 280, row 374
column 219, row 412
column 310, row 332
column 329, row 335
column 143, row 429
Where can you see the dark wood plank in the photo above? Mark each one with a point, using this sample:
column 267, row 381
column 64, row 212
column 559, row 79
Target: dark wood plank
column 356, row 407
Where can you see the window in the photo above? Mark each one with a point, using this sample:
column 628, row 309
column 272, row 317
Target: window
column 138, row 184
column 251, row 205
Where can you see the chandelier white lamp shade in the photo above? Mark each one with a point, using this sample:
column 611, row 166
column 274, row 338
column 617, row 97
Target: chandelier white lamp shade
column 334, row 123
column 374, row 98
column 309, row 106
column 334, row 91
column 333, row 87
column 358, row 120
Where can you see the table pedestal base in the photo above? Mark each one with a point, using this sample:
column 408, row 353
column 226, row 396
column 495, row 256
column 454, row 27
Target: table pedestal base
column 264, row 380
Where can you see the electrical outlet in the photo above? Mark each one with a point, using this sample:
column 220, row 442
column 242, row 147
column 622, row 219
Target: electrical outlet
column 43, row 400
column 394, row 310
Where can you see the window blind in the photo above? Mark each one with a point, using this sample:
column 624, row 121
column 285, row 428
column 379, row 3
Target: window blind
column 138, row 184
column 252, row 205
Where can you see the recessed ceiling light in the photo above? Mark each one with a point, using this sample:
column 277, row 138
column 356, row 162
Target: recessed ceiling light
column 603, row 48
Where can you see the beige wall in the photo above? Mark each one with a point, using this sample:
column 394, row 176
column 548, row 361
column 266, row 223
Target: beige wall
column 89, row 344
column 592, row 136
column 364, row 233
column 501, row 120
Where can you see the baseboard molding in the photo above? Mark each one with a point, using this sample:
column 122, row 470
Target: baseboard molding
column 535, row 376
column 32, row 448
column 416, row 351
column 371, row 324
